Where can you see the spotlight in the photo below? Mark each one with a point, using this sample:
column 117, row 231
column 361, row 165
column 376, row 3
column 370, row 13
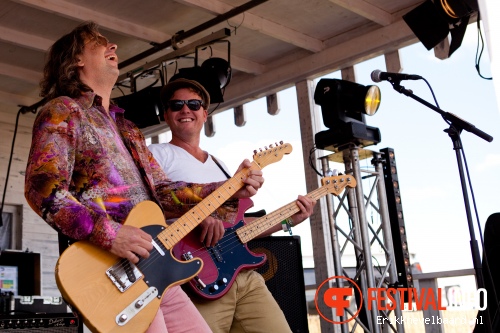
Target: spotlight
column 143, row 108
column 220, row 68
column 214, row 74
column 432, row 21
column 344, row 105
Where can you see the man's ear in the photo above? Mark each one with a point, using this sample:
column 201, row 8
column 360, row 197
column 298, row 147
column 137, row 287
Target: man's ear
column 79, row 62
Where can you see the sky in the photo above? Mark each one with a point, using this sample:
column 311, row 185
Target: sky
column 433, row 205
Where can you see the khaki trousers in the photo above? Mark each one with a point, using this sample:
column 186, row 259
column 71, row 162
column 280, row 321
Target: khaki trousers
column 248, row 307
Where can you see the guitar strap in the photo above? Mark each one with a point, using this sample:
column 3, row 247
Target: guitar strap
column 220, row 166
column 259, row 213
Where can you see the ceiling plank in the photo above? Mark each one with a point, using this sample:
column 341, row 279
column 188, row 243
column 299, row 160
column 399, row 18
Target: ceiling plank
column 260, row 24
column 20, row 73
column 79, row 13
column 123, row 27
column 366, row 10
column 385, row 39
column 17, row 100
column 19, row 38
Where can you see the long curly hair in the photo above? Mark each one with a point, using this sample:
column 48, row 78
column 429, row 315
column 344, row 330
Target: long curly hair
column 60, row 74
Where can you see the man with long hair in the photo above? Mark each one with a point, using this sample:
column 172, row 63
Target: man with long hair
column 88, row 166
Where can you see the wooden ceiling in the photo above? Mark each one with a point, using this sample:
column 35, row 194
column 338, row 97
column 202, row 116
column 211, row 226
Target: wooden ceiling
column 273, row 44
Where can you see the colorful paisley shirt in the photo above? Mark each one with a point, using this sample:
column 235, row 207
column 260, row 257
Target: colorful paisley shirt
column 87, row 169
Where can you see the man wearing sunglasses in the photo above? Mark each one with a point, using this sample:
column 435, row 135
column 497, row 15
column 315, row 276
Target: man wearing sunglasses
column 248, row 306
column 88, row 166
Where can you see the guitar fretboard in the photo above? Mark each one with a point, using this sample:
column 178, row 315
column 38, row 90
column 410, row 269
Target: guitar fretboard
column 187, row 222
column 257, row 227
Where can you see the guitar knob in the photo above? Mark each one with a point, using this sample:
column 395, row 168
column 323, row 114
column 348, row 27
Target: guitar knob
column 214, row 288
column 222, row 281
column 123, row 318
column 139, row 304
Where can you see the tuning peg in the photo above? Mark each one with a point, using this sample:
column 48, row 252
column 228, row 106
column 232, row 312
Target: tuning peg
column 271, row 146
column 281, row 142
column 255, row 152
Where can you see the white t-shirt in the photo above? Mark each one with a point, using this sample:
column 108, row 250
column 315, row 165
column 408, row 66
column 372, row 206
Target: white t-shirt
column 179, row 165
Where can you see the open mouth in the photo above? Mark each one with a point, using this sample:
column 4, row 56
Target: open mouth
column 111, row 57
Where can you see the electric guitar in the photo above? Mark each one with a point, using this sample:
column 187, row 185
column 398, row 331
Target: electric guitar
column 230, row 255
column 113, row 294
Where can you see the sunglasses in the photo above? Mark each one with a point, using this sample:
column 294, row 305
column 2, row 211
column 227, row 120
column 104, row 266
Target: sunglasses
column 177, row 104
column 99, row 39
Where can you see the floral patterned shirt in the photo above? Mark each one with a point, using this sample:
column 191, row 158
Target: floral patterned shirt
column 87, row 169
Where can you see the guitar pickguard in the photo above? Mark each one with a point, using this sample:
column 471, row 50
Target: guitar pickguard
column 222, row 262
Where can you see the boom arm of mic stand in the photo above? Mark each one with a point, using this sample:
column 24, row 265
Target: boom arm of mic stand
column 457, row 122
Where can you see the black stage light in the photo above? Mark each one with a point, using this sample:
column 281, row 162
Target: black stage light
column 214, row 74
column 432, row 21
column 344, row 105
column 143, row 108
column 221, row 68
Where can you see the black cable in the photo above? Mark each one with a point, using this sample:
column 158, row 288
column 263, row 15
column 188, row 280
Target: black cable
column 432, row 92
column 8, row 167
column 479, row 53
column 311, row 162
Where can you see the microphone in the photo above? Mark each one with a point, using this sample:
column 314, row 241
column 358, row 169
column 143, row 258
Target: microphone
column 379, row 76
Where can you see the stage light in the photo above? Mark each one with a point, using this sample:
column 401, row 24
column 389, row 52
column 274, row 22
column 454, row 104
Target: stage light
column 221, row 68
column 431, row 21
column 344, row 105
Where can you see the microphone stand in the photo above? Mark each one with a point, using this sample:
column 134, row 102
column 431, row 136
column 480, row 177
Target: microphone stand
column 456, row 126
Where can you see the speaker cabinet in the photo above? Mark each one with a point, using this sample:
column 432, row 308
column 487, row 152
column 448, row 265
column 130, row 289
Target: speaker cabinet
column 284, row 275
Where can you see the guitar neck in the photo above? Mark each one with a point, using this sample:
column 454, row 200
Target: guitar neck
column 187, row 222
column 264, row 223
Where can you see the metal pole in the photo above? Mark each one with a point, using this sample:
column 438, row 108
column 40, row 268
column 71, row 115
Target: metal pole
column 335, row 245
column 365, row 239
column 386, row 229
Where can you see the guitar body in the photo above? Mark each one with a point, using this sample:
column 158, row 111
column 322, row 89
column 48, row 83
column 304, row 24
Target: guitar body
column 83, row 279
column 222, row 262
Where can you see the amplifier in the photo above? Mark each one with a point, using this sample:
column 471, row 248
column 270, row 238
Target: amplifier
column 40, row 304
column 35, row 323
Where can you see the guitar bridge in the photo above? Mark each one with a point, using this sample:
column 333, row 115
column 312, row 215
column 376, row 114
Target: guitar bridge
column 123, row 274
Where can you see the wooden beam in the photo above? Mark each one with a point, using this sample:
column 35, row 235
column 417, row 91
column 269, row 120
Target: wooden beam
column 20, row 73
column 367, row 10
column 348, row 74
column 393, row 62
column 17, row 100
column 239, row 116
column 29, row 41
column 257, row 23
column 273, row 104
column 123, row 27
column 319, row 221
column 353, row 51
column 210, row 127
column 442, row 50
column 109, row 22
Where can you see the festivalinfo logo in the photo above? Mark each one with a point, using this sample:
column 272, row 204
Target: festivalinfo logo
column 339, row 300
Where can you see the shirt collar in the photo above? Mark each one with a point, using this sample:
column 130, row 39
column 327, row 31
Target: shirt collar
column 89, row 98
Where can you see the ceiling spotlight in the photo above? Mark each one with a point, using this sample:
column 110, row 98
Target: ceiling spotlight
column 220, row 68
column 432, row 21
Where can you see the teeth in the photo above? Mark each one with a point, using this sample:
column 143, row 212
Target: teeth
column 110, row 57
column 185, row 120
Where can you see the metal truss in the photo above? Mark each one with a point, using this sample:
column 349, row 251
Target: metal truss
column 354, row 235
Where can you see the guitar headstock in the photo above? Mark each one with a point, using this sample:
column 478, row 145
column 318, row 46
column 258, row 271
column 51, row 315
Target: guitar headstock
column 271, row 154
column 336, row 184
